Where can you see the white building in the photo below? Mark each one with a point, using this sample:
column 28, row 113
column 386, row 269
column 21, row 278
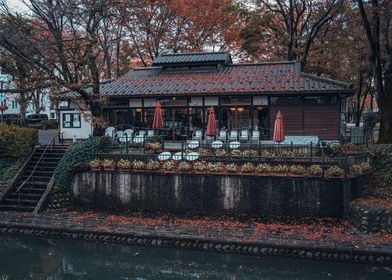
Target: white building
column 11, row 99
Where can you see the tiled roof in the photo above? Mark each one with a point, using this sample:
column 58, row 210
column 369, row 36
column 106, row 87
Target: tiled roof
column 263, row 78
column 192, row 58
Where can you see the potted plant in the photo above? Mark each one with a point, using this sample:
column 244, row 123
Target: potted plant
column 232, row 168
column 138, row 165
column 153, row 166
column 124, row 164
column 108, row 165
column 169, row 166
column 199, row 167
column 220, row 152
column 366, row 167
column 335, row 171
column 263, row 169
column 184, row 166
column 216, row 167
column 203, row 151
column 266, row 154
column 297, row 170
column 280, row 170
column 247, row 168
column 287, row 154
column 315, row 170
column 236, row 153
column 250, row 153
column 153, row 147
column 95, row 165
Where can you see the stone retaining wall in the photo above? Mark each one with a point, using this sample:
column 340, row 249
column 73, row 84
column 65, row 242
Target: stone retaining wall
column 328, row 254
column 371, row 219
column 256, row 195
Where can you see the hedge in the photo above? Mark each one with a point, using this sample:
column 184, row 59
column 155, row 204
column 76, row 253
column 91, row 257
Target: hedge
column 77, row 158
column 16, row 142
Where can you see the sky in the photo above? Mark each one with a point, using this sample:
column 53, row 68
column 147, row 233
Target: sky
column 17, row 5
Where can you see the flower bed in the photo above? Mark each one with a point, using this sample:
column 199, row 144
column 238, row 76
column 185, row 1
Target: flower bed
column 246, row 168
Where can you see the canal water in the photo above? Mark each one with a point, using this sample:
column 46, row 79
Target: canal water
column 31, row 258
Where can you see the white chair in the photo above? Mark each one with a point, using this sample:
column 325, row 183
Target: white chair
column 119, row 136
column 198, row 135
column 244, row 135
column 109, row 131
column 127, row 136
column 222, row 136
column 150, row 133
column 255, row 138
column 233, row 135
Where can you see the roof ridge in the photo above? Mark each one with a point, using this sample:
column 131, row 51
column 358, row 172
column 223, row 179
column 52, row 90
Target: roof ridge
column 265, row 63
column 326, row 80
column 192, row 53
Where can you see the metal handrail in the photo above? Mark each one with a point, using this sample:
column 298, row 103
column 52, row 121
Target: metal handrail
column 50, row 144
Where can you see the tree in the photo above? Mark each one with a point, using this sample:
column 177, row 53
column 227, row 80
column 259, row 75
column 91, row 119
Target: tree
column 61, row 40
column 376, row 18
column 290, row 27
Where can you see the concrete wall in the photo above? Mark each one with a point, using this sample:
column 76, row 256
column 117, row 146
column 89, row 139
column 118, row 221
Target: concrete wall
column 288, row 196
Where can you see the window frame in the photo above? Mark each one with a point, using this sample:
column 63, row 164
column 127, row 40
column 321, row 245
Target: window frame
column 72, row 120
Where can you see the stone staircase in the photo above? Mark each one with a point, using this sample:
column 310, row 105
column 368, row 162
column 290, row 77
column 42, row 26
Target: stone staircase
column 30, row 187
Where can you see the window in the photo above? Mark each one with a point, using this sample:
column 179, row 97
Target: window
column 14, row 105
column 71, row 120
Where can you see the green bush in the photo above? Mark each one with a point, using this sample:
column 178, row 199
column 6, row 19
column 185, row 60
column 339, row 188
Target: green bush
column 16, row 142
column 77, row 158
column 8, row 168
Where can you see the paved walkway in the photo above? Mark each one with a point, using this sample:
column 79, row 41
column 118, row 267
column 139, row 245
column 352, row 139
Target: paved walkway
column 310, row 233
column 45, row 136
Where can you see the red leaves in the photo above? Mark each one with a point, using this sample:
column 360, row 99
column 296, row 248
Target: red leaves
column 237, row 228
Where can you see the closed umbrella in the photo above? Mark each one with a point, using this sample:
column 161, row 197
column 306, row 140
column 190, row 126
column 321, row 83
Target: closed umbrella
column 211, row 125
column 158, row 122
column 278, row 128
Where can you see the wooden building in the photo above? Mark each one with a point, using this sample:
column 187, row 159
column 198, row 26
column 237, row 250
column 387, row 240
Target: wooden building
column 244, row 96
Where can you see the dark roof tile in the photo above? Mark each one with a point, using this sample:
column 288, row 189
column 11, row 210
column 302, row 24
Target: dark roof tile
column 268, row 78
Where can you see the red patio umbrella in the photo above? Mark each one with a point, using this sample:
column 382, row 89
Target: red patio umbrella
column 278, row 128
column 211, row 125
column 158, row 122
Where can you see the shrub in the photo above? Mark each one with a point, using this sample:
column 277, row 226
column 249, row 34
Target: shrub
column 16, row 142
column 335, row 171
column 77, row 158
column 263, row 168
column 315, row 169
column 153, row 165
column 247, row 168
column 169, row 165
column 95, row 164
column 138, row 165
column 232, row 168
column 366, row 167
column 215, row 167
column 184, row 166
column 297, row 169
column 280, row 169
column 124, row 164
column 199, row 166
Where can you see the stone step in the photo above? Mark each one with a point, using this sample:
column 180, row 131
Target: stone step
column 25, row 195
column 17, row 208
column 38, row 191
column 20, row 202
